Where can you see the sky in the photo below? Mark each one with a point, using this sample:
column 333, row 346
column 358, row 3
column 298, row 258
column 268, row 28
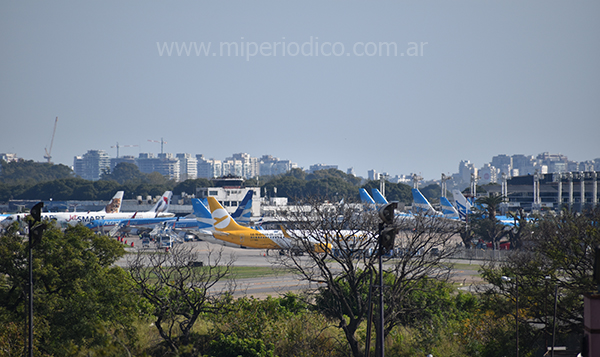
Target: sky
column 394, row 86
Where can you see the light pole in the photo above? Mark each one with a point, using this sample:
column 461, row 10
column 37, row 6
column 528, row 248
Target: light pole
column 387, row 236
column 506, row 278
column 36, row 230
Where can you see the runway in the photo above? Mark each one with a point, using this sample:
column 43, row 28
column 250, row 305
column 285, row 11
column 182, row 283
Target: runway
column 273, row 285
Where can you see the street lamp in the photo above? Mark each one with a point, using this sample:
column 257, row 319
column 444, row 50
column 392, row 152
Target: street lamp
column 506, row 278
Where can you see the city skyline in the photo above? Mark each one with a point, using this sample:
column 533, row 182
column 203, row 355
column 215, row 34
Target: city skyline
column 553, row 162
column 393, row 87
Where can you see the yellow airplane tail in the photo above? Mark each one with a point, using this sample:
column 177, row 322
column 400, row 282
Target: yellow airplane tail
column 222, row 220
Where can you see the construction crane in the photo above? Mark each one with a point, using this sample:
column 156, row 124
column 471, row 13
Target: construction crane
column 162, row 142
column 48, row 155
column 122, row 146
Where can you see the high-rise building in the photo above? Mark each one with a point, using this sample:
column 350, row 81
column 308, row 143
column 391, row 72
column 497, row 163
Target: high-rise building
column 465, row 169
column 271, row 166
column 115, row 161
column 373, row 175
column 91, row 165
column 165, row 164
column 209, row 168
column 503, row 163
column 487, row 174
column 317, row 167
column 188, row 166
column 250, row 165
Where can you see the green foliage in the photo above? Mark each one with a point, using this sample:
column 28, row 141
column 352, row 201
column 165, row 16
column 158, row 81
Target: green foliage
column 432, row 192
column 87, row 302
column 189, row 186
column 233, row 346
column 557, row 256
column 28, row 171
column 124, row 172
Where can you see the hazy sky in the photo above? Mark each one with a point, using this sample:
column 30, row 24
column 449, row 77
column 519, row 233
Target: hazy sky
column 454, row 80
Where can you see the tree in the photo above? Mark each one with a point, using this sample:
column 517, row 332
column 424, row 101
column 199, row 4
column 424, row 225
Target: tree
column 484, row 222
column 339, row 243
column 190, row 186
column 178, row 290
column 82, row 302
column 124, row 172
column 557, row 256
column 424, row 245
column 32, row 172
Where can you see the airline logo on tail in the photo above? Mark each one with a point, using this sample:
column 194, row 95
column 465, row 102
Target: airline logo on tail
column 420, row 203
column 222, row 219
column 244, row 211
column 447, row 209
column 202, row 214
column 114, row 206
column 463, row 206
column 163, row 204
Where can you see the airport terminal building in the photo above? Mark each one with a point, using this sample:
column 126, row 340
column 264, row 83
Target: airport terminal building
column 575, row 191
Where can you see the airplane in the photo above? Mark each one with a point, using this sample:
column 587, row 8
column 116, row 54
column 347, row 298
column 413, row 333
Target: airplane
column 365, row 197
column 113, row 207
column 448, row 209
column 421, row 205
column 159, row 210
column 202, row 221
column 378, row 197
column 227, row 231
column 465, row 207
column 243, row 213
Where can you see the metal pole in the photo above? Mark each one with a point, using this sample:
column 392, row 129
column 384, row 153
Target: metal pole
column 554, row 320
column 517, row 312
column 30, row 291
column 370, row 319
column 381, row 301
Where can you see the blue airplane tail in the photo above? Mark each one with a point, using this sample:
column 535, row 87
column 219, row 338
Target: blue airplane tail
column 202, row 214
column 365, row 197
column 448, row 209
column 378, row 197
column 420, row 203
column 244, row 211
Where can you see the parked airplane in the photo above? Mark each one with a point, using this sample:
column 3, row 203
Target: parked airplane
column 202, row 221
column 448, row 209
column 228, row 232
column 365, row 197
column 463, row 206
column 113, row 207
column 421, row 205
column 243, row 213
column 378, row 197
